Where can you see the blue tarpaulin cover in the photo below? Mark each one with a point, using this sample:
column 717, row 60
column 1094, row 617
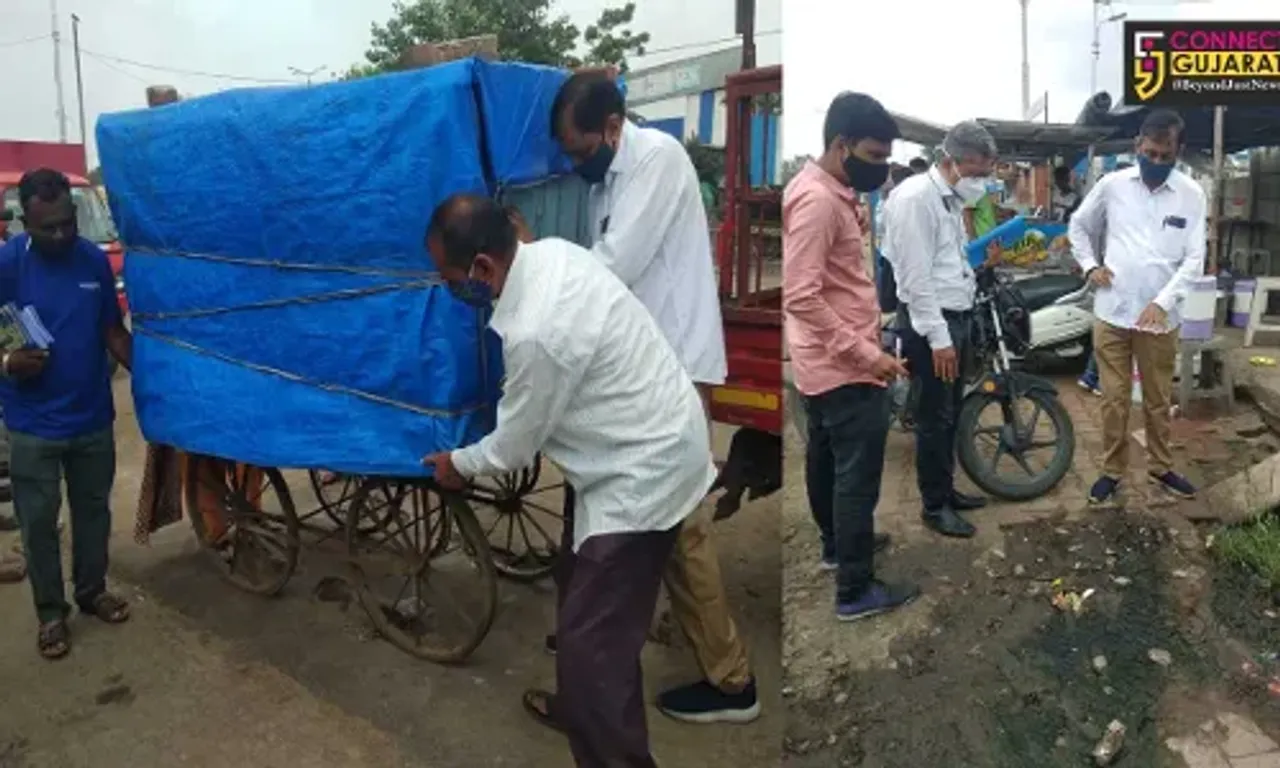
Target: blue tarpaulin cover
column 285, row 311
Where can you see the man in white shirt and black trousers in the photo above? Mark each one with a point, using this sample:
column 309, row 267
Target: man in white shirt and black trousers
column 925, row 238
column 649, row 227
column 591, row 384
column 1153, row 220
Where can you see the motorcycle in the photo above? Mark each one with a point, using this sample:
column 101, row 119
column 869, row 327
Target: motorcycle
column 1061, row 311
column 1003, row 333
column 1004, row 341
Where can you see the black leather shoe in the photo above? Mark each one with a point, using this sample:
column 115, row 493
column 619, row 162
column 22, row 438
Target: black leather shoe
column 948, row 522
column 962, row 502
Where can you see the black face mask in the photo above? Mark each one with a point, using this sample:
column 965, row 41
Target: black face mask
column 472, row 292
column 864, row 176
column 593, row 169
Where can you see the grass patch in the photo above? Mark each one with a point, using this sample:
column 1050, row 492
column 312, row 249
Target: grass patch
column 1254, row 545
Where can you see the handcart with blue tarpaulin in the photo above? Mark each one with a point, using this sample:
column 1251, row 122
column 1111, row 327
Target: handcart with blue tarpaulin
column 286, row 314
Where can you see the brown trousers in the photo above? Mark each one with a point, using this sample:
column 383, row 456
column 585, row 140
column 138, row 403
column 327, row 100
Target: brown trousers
column 1116, row 350
column 607, row 592
column 699, row 604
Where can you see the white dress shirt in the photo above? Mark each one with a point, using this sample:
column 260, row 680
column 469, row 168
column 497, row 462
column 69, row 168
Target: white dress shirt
column 649, row 226
column 924, row 243
column 593, row 385
column 1154, row 243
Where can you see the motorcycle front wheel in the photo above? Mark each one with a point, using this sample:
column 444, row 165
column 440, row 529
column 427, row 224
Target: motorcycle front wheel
column 1036, row 463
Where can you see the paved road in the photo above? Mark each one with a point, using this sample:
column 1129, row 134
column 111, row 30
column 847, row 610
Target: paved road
column 206, row 676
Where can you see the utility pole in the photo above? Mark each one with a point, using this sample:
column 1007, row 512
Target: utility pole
column 84, row 128
column 746, row 26
column 1215, row 210
column 306, row 73
column 1096, row 49
column 1026, row 62
column 57, row 71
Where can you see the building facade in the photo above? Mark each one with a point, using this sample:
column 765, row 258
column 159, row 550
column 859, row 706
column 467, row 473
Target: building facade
column 685, row 98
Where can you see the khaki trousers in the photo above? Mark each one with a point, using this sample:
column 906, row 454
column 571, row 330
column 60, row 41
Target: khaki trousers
column 1116, row 349
column 699, row 604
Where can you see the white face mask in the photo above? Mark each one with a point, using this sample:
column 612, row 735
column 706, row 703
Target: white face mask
column 972, row 189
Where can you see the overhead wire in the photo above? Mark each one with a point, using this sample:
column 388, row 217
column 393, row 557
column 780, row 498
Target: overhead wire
column 106, row 58
column 704, row 43
column 190, row 72
column 24, row 41
column 114, row 68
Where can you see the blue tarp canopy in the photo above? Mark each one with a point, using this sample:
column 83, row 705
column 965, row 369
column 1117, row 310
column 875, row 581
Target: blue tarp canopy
column 1243, row 127
column 285, row 311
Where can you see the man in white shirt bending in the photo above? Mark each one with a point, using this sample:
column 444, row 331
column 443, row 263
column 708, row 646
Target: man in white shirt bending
column 649, row 227
column 591, row 384
column 1153, row 220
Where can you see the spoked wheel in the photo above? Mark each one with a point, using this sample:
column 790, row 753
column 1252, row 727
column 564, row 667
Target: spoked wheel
column 425, row 575
column 335, row 491
column 244, row 518
column 1030, row 437
column 522, row 522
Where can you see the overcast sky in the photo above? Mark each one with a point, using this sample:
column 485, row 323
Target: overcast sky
column 948, row 61
column 257, row 39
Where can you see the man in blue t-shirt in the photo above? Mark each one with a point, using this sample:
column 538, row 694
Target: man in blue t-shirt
column 58, row 406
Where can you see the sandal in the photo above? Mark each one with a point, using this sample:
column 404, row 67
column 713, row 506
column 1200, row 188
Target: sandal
column 107, row 607
column 54, row 640
column 538, row 704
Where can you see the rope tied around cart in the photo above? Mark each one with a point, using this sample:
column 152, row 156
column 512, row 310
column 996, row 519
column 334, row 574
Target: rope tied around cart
column 416, row 279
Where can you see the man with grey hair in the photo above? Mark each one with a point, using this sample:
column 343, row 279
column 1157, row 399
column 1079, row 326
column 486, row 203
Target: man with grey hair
column 925, row 239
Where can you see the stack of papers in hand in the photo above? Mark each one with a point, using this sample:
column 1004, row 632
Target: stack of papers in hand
column 22, row 329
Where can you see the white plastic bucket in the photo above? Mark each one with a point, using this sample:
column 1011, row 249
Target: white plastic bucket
column 1199, row 309
column 1242, row 301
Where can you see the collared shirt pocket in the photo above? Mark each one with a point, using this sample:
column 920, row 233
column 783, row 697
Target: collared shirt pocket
column 89, row 292
column 1170, row 242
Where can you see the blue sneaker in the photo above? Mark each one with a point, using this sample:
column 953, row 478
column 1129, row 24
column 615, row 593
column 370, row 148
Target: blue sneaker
column 879, row 598
column 1176, row 484
column 703, row 703
column 1104, row 490
column 1090, row 384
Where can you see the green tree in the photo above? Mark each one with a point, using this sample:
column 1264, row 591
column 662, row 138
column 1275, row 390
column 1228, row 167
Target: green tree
column 791, row 167
column 527, row 30
column 707, row 161
column 610, row 40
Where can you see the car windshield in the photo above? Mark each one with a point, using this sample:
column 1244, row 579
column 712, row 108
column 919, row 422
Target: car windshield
column 91, row 214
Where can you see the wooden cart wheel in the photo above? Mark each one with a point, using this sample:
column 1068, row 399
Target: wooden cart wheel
column 251, row 538
column 435, row 602
column 521, row 523
column 334, row 491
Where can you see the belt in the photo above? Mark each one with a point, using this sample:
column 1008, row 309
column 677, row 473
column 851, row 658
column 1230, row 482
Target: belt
column 955, row 314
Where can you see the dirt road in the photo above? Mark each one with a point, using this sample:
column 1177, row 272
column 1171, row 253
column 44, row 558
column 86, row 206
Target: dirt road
column 206, row 676
column 984, row 672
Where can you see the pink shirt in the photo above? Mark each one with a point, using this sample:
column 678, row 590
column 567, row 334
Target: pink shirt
column 829, row 301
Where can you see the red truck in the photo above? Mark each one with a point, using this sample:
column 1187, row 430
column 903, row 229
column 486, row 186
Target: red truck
column 18, row 157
